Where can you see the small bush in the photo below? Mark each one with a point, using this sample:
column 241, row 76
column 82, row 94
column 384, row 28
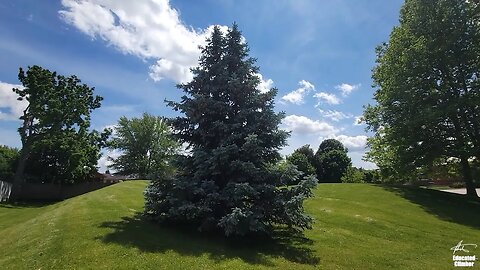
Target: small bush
column 353, row 175
column 8, row 161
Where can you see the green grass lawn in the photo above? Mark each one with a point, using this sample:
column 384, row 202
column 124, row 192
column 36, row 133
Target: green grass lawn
column 357, row 226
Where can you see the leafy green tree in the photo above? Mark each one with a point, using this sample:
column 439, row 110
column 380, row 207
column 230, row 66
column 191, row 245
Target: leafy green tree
column 8, row 162
column 329, row 145
column 56, row 126
column 428, row 90
column 66, row 157
column 331, row 161
column 308, row 152
column 146, row 146
column 230, row 181
column 372, row 176
column 353, row 175
column 385, row 157
column 333, row 164
column 301, row 161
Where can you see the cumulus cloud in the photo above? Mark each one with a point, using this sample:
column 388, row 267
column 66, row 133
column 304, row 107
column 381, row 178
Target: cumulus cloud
column 297, row 96
column 10, row 107
column 167, row 69
column 264, row 85
column 323, row 97
column 335, row 115
column 149, row 29
column 305, row 125
column 346, row 88
column 358, row 120
column 353, row 143
column 112, row 128
column 104, row 160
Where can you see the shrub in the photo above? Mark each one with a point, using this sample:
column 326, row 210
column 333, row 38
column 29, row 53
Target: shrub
column 8, row 161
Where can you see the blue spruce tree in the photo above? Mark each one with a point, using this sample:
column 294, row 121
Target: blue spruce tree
column 230, row 182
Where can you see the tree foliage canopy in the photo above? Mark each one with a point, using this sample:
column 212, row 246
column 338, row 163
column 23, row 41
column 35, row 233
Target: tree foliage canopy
column 330, row 145
column 8, row 162
column 230, row 181
column 307, row 151
column 331, row 161
column 146, row 146
column 428, row 89
column 304, row 159
column 57, row 144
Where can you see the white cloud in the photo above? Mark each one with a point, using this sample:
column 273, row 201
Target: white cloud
column 166, row 69
column 358, row 120
column 264, row 85
column 346, row 88
column 353, row 143
column 148, row 29
column 104, row 161
column 112, row 128
column 359, row 162
column 335, row 115
column 297, row 96
column 327, row 98
column 305, row 125
column 10, row 107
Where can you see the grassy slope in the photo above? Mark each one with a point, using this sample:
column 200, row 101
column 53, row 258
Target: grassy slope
column 358, row 227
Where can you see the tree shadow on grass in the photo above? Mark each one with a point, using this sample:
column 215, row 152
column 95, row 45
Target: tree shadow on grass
column 447, row 206
column 25, row 204
column 151, row 237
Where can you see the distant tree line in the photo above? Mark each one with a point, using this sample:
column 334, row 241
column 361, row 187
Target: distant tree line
column 330, row 164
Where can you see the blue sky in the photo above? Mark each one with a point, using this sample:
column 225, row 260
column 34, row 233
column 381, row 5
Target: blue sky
column 318, row 54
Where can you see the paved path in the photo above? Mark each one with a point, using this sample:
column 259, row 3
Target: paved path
column 459, row 190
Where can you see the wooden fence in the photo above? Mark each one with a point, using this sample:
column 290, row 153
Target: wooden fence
column 5, row 190
column 49, row 192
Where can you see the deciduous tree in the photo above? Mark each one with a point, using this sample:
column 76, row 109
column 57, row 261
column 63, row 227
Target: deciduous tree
column 428, row 89
column 8, row 162
column 55, row 129
column 302, row 161
column 331, row 161
column 146, row 145
column 353, row 175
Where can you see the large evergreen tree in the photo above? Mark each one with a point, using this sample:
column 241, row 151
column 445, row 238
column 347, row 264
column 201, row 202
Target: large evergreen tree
column 230, row 181
column 428, row 90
